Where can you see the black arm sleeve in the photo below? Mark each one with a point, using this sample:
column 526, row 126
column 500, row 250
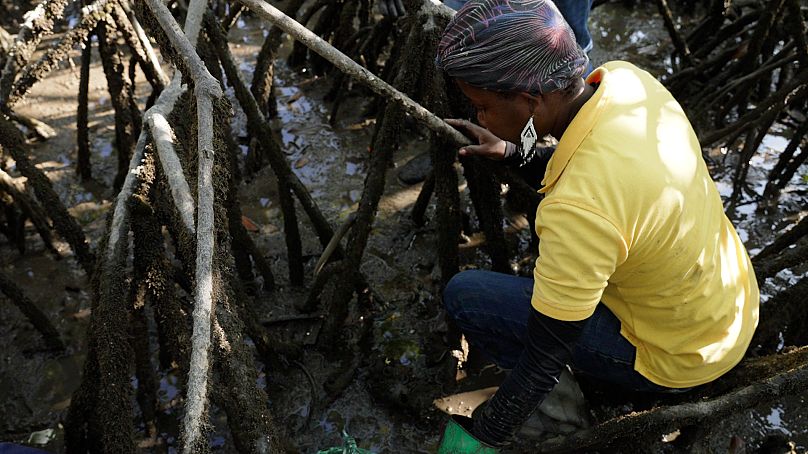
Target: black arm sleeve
column 531, row 164
column 548, row 349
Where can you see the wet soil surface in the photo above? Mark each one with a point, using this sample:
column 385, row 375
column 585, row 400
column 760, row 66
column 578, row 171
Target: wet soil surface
column 388, row 406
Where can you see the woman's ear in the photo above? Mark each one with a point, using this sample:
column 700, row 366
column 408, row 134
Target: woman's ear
column 532, row 101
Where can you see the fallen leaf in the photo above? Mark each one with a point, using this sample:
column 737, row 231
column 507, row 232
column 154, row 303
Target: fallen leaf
column 81, row 314
column 301, row 163
column 249, row 224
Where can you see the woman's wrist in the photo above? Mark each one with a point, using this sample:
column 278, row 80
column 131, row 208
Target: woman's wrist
column 511, row 155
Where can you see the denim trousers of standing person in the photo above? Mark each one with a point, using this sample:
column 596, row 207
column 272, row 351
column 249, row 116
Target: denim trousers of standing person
column 575, row 12
column 492, row 309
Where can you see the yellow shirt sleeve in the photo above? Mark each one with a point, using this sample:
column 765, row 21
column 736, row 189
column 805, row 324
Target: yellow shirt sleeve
column 579, row 250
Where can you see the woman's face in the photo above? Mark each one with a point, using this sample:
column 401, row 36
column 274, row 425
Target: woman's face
column 504, row 116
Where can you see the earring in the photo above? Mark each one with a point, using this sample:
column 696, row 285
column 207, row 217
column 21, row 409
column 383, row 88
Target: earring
column 528, row 136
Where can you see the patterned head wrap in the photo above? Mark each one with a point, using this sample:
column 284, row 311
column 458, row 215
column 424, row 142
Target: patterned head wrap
column 511, row 46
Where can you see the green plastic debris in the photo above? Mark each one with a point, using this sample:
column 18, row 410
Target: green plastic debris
column 348, row 447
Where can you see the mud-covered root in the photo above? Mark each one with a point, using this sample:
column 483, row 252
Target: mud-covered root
column 49, row 60
column 121, row 91
column 288, row 182
column 263, row 77
column 746, row 64
column 788, row 163
column 422, row 202
column 783, row 317
column 28, row 209
column 34, row 315
column 12, row 142
column 83, row 164
column 484, row 190
column 38, row 24
column 767, row 385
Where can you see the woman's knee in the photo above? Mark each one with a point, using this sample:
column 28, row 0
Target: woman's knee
column 461, row 285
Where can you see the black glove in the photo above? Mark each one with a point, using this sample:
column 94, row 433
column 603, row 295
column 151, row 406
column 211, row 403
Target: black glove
column 391, row 8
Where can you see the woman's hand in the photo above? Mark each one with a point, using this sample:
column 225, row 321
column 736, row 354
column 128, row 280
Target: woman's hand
column 490, row 146
column 391, row 8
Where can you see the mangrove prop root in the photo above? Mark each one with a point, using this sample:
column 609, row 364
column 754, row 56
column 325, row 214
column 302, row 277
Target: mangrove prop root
column 383, row 148
column 79, row 434
column 13, row 223
column 262, row 83
column 41, row 131
column 83, row 165
column 269, row 141
column 206, row 89
column 141, row 50
column 422, row 202
column 352, row 69
column 788, row 163
column 783, row 241
column 127, row 114
column 32, row 312
column 49, row 61
column 152, row 267
column 271, row 147
column 447, row 209
column 244, row 402
column 30, row 208
column 788, row 306
column 666, row 418
column 670, row 25
column 109, row 338
column 789, row 258
column 38, row 24
column 793, row 92
column 484, row 191
column 154, row 74
column 146, row 379
column 13, row 143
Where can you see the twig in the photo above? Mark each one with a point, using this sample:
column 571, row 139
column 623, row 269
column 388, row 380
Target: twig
column 42, row 130
column 334, row 243
column 291, row 318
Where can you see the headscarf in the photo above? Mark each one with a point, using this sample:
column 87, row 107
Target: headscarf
column 511, row 46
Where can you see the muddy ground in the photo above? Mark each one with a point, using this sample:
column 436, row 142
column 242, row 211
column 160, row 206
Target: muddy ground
column 387, row 406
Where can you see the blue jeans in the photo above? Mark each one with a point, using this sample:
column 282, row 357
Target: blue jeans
column 492, row 310
column 575, row 12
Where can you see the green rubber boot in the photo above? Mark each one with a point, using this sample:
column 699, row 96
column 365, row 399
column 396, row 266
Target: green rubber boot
column 458, row 440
